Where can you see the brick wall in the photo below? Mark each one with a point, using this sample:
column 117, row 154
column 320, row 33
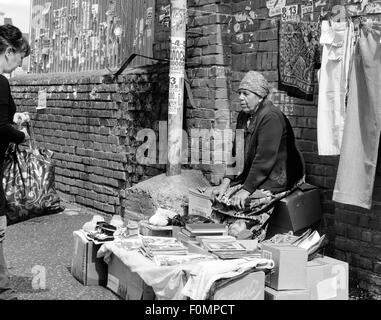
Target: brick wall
column 92, row 126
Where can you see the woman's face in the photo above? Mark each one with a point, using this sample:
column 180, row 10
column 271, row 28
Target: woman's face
column 249, row 100
column 13, row 59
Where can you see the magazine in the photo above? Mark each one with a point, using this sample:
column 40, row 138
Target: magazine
column 215, row 246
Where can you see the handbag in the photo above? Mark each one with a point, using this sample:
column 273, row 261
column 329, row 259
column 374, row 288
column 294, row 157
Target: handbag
column 28, row 181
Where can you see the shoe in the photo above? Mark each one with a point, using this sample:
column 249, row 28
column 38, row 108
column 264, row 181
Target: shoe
column 8, row 294
column 302, row 237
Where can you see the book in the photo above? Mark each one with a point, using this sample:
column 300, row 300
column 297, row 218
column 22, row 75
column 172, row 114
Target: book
column 194, row 234
column 218, row 238
column 163, row 245
column 233, row 246
column 206, row 227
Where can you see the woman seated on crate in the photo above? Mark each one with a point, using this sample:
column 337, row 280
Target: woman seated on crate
column 272, row 163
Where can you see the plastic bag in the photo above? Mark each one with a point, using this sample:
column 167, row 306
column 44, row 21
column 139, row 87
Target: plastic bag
column 28, row 181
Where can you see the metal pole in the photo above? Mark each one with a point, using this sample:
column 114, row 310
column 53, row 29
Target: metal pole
column 176, row 86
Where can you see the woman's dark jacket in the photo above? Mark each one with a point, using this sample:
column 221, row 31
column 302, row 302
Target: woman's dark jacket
column 271, row 158
column 7, row 132
column 7, row 110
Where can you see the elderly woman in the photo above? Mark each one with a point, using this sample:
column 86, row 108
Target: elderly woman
column 272, row 163
column 13, row 49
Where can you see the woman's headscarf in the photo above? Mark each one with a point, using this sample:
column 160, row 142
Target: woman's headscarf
column 255, row 82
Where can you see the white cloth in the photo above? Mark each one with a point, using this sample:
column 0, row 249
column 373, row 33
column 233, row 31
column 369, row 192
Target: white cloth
column 166, row 282
column 204, row 274
column 338, row 47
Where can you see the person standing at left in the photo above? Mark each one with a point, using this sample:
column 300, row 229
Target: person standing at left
column 13, row 49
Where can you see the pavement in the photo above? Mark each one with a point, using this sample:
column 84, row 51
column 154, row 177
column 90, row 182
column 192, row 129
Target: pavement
column 38, row 253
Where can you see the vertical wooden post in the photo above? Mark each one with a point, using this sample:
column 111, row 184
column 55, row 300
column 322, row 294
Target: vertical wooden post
column 176, row 86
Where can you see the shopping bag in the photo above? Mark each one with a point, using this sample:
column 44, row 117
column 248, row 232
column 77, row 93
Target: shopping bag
column 28, row 181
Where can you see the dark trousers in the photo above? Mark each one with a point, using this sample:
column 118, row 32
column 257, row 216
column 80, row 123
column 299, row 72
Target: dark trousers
column 6, row 292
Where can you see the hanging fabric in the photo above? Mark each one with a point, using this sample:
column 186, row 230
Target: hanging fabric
column 299, row 56
column 337, row 41
column 359, row 151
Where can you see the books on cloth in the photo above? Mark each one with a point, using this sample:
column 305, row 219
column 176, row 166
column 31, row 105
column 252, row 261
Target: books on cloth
column 227, row 247
column 217, row 246
column 162, row 246
column 197, row 229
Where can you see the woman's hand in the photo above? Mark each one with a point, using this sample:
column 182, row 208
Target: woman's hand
column 27, row 137
column 21, row 117
column 238, row 199
column 218, row 191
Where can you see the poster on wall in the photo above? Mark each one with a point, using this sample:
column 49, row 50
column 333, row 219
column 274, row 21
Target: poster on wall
column 290, row 13
column 307, row 9
column 374, row 7
column 47, row 7
column 42, row 98
column 275, row 7
column 149, row 17
column 75, row 4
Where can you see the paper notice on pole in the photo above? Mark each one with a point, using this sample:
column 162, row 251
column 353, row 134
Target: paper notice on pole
column 42, row 98
column 275, row 7
column 176, row 93
column 177, row 64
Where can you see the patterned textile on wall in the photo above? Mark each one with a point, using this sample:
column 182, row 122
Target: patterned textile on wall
column 299, row 56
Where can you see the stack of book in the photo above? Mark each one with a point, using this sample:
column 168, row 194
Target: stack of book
column 189, row 233
column 153, row 246
column 227, row 247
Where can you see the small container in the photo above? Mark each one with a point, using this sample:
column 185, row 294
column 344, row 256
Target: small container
column 92, row 225
column 106, row 228
column 117, row 221
column 133, row 228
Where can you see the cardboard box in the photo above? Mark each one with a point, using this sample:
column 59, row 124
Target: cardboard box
column 271, row 294
column 126, row 284
column 146, row 229
column 85, row 266
column 290, row 272
column 249, row 287
column 328, row 279
column 297, row 211
column 199, row 203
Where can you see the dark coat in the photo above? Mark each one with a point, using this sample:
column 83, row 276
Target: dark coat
column 271, row 158
column 7, row 110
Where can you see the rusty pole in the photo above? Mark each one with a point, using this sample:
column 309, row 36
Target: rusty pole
column 176, row 86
